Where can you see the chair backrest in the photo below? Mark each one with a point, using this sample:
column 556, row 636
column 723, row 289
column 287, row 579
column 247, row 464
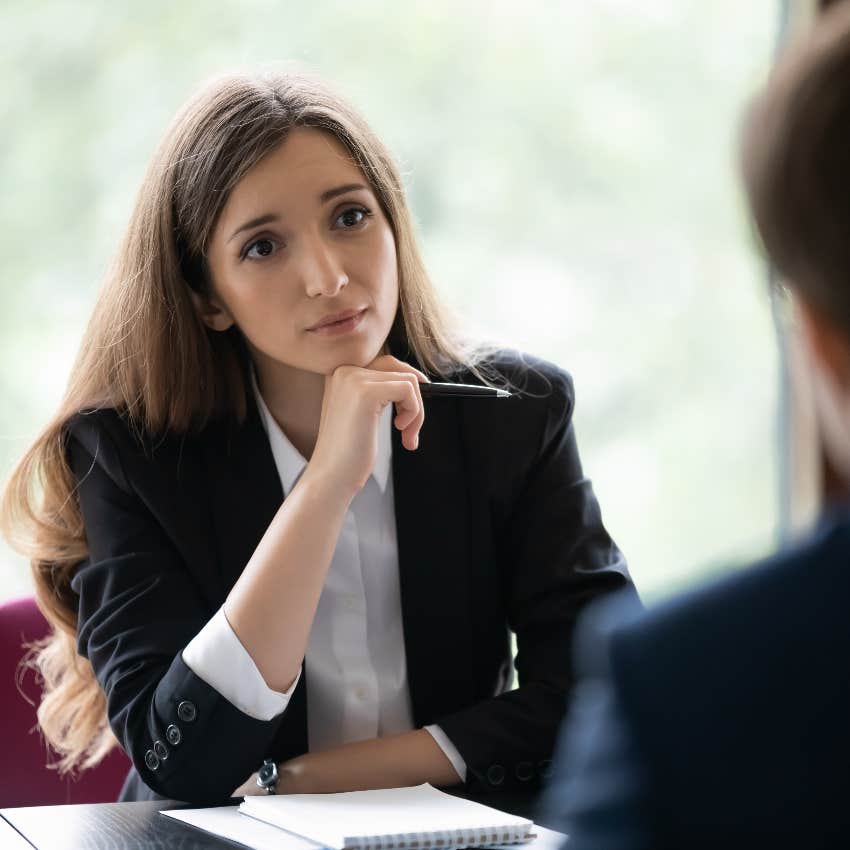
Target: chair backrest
column 26, row 779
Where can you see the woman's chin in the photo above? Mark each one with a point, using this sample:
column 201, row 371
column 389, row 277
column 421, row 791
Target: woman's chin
column 358, row 359
column 325, row 359
column 358, row 353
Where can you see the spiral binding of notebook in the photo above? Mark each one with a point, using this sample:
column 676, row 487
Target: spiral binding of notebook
column 446, row 838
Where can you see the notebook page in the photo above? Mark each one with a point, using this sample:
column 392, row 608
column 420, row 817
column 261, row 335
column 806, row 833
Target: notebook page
column 228, row 823
column 337, row 820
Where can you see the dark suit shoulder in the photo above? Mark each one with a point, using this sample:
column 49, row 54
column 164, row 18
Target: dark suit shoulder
column 104, row 436
column 525, row 374
column 734, row 696
column 126, row 450
column 797, row 596
column 88, row 426
column 541, row 404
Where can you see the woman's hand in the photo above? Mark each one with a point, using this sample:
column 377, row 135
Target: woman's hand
column 355, row 397
column 248, row 788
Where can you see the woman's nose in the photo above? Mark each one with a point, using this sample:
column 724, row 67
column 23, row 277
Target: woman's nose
column 322, row 272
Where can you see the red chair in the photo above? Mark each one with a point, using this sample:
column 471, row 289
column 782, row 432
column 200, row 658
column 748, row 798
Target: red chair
column 26, row 780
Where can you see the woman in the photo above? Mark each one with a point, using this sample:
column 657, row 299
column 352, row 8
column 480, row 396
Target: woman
column 246, row 559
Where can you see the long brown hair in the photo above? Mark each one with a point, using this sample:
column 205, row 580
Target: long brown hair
column 146, row 353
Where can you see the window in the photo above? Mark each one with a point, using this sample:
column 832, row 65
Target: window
column 572, row 170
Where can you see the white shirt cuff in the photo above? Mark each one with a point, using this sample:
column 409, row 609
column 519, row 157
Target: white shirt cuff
column 217, row 656
column 449, row 750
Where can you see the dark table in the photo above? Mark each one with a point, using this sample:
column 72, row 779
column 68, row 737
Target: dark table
column 103, row 825
column 139, row 826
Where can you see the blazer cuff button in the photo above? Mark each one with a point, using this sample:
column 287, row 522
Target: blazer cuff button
column 186, row 711
column 151, row 760
column 173, row 735
column 495, row 774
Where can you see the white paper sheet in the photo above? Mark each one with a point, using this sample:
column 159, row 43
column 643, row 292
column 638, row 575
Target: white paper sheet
column 228, row 823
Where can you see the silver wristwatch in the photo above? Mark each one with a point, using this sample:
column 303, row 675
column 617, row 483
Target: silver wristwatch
column 267, row 776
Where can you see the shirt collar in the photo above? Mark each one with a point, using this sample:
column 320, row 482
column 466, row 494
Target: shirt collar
column 290, row 462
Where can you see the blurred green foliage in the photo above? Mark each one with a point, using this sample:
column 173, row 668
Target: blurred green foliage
column 572, row 170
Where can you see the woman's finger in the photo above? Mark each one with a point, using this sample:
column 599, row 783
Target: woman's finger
column 387, row 363
column 408, row 404
column 406, row 421
column 401, row 393
column 412, row 423
column 414, row 426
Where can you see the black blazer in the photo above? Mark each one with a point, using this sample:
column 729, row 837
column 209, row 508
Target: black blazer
column 719, row 719
column 497, row 530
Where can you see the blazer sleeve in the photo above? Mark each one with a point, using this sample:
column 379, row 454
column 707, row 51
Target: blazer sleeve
column 554, row 556
column 139, row 606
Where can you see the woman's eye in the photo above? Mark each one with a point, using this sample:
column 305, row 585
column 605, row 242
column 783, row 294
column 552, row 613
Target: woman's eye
column 353, row 216
column 260, row 248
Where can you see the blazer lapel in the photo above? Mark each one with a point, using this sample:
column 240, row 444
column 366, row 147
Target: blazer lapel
column 432, row 527
column 244, row 490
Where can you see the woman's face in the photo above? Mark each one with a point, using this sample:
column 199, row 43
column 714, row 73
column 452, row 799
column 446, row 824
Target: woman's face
column 301, row 240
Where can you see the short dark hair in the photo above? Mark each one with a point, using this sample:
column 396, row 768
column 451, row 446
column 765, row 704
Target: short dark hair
column 796, row 165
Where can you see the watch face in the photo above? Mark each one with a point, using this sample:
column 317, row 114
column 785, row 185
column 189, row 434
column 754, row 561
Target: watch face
column 267, row 773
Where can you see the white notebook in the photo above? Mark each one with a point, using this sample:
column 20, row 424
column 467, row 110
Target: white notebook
column 417, row 818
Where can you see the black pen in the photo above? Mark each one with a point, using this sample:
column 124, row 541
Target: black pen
column 435, row 389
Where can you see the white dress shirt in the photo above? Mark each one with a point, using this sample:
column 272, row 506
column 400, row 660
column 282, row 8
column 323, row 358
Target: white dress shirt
column 357, row 671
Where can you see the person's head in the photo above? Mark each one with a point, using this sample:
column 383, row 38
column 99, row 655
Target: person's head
column 796, row 166
column 302, row 238
column 198, row 287
column 188, row 298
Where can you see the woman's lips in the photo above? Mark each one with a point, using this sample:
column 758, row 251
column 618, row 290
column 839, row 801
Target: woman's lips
column 341, row 327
